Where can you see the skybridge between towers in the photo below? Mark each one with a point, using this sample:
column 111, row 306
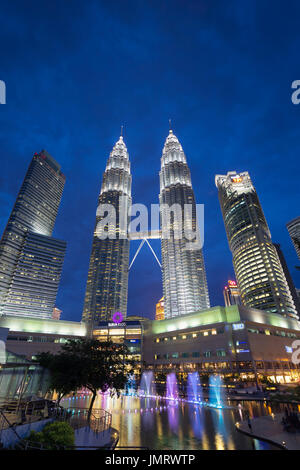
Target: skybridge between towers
column 151, row 234
column 144, row 237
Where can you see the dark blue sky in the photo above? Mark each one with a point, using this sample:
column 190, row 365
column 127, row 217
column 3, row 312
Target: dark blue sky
column 75, row 71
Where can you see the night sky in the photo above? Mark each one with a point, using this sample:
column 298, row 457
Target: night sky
column 221, row 70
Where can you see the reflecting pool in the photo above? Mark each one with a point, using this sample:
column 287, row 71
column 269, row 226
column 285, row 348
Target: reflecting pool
column 155, row 424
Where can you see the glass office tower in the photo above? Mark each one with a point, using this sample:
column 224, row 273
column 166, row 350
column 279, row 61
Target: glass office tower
column 258, row 270
column 107, row 283
column 294, row 231
column 288, row 277
column 184, row 278
column 30, row 258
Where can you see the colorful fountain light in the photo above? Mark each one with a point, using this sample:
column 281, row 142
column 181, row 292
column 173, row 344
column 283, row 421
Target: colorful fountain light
column 216, row 391
column 194, row 388
column 147, row 386
column 130, row 388
column 172, row 387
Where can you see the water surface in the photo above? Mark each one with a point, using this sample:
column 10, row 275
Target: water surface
column 154, row 424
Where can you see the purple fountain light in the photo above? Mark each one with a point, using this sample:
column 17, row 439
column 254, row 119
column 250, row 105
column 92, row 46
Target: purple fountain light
column 194, row 388
column 172, row 387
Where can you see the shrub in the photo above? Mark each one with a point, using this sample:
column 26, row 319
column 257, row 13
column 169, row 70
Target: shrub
column 53, row 436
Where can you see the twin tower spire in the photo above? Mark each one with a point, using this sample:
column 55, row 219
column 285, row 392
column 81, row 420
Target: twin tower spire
column 183, row 272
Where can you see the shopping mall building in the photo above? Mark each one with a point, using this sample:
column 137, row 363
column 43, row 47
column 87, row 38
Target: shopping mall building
column 226, row 340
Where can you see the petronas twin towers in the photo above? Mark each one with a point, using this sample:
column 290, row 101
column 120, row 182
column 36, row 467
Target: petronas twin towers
column 184, row 278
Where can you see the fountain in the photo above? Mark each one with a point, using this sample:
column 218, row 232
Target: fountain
column 130, row 385
column 147, row 385
column 216, row 391
column 172, row 387
column 194, row 388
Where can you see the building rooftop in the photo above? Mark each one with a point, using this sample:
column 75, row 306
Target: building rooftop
column 41, row 325
column 232, row 314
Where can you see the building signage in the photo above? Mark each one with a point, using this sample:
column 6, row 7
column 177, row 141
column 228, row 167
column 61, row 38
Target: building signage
column 238, row 326
column 116, row 325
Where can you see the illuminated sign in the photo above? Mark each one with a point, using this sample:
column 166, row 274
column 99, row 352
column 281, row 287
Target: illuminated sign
column 238, row 326
column 113, row 325
column 237, row 179
column 117, row 317
column 289, row 349
column 232, row 283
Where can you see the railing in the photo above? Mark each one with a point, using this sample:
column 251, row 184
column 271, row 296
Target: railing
column 26, row 412
column 23, row 444
column 98, row 420
column 14, row 413
column 5, row 424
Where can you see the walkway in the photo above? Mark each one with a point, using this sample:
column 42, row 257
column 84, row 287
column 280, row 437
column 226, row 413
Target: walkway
column 16, row 419
column 270, row 429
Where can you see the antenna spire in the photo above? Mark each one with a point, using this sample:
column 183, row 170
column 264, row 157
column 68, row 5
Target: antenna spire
column 122, row 130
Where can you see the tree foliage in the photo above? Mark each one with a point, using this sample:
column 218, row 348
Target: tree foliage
column 63, row 369
column 88, row 363
column 54, row 436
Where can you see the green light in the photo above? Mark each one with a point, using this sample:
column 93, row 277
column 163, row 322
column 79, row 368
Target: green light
column 38, row 325
column 204, row 317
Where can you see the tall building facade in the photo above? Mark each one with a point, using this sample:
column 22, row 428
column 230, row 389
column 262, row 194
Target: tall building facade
column 30, row 258
column 107, row 283
column 258, row 270
column 294, row 230
column 56, row 313
column 160, row 309
column 184, row 278
column 288, row 277
column 231, row 293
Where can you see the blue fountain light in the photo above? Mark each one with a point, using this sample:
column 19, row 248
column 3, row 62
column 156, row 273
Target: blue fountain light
column 216, row 391
column 130, row 388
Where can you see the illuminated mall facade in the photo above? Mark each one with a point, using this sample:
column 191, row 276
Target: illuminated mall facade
column 233, row 341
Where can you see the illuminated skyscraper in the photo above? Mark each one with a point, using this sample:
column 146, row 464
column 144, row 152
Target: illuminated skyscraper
column 184, row 278
column 258, row 270
column 231, row 294
column 107, row 284
column 30, row 258
column 294, row 230
column 288, row 277
column 160, row 310
column 56, row 313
